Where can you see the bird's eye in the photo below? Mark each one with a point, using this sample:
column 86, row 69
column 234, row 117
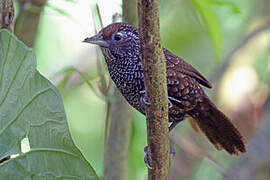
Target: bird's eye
column 117, row 36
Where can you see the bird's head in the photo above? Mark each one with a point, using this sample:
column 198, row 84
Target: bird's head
column 118, row 39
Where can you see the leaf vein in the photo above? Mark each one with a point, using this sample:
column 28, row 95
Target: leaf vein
column 13, row 79
column 5, row 60
column 22, row 110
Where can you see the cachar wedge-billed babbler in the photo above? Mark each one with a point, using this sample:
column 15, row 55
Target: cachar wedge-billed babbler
column 120, row 46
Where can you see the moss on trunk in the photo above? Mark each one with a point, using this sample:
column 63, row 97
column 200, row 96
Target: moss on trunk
column 155, row 81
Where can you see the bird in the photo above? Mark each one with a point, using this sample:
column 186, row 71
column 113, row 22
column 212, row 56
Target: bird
column 120, row 46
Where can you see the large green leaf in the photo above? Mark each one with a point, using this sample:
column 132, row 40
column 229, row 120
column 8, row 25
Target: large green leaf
column 231, row 5
column 212, row 23
column 30, row 106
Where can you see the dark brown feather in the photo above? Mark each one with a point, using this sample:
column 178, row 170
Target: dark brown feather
column 181, row 66
column 218, row 128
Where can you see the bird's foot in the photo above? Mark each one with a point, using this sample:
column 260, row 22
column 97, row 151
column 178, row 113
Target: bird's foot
column 170, row 105
column 143, row 98
column 145, row 102
column 146, row 159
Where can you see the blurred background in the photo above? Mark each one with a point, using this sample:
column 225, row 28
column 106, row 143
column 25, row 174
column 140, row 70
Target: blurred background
column 227, row 41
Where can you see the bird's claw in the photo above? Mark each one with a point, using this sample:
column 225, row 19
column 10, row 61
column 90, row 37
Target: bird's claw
column 146, row 159
column 172, row 152
column 144, row 101
column 143, row 98
column 170, row 105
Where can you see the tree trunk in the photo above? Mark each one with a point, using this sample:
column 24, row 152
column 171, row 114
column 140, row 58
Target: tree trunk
column 155, row 81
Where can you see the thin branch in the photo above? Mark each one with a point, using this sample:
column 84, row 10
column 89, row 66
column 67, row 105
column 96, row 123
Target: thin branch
column 85, row 78
column 104, row 87
column 155, row 81
column 99, row 16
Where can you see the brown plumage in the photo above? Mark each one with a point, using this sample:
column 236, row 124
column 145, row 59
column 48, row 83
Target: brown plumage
column 121, row 48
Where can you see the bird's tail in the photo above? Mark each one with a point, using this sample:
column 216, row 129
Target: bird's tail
column 218, row 128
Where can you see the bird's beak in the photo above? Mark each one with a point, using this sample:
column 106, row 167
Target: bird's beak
column 97, row 39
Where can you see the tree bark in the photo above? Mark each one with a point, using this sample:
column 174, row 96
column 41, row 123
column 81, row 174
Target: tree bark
column 154, row 68
column 6, row 14
column 116, row 152
column 26, row 25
